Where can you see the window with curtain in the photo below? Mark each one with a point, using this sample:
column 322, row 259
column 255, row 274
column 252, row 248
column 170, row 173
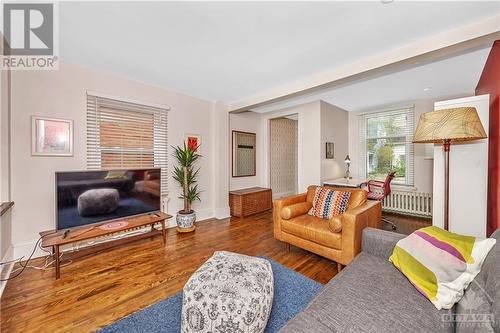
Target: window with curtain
column 386, row 145
column 125, row 135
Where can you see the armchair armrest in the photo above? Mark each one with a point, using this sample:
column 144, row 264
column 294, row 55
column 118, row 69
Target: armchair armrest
column 291, row 211
column 354, row 221
column 277, row 207
column 380, row 243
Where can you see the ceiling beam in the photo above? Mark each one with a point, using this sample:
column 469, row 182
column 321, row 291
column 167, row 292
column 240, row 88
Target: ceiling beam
column 436, row 47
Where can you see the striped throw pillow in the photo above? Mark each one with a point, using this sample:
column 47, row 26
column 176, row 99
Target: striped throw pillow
column 440, row 264
column 328, row 203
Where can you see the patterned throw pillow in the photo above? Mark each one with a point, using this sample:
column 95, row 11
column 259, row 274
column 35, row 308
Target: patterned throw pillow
column 328, row 203
column 440, row 264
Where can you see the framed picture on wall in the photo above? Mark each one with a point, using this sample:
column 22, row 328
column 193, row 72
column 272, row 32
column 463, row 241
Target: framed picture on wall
column 329, row 150
column 51, row 136
column 244, row 157
column 193, row 141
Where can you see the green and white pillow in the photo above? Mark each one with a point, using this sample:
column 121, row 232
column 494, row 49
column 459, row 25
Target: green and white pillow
column 440, row 264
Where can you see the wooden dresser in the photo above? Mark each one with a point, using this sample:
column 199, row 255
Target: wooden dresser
column 250, row 201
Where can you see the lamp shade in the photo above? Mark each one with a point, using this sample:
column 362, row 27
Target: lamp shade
column 456, row 124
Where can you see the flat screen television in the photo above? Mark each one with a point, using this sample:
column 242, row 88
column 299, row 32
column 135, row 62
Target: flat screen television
column 87, row 197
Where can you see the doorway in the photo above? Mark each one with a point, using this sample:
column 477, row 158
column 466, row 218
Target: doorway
column 283, row 155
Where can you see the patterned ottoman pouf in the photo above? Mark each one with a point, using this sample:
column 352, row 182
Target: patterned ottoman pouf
column 230, row 293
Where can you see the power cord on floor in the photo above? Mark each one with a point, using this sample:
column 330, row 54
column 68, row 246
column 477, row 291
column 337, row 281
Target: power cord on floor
column 45, row 266
column 23, row 267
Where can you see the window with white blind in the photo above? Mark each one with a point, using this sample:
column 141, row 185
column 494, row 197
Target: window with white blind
column 386, row 144
column 126, row 135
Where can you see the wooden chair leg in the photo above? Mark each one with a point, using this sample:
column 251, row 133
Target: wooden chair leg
column 287, row 247
column 339, row 267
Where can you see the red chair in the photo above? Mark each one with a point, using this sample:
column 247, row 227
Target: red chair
column 378, row 190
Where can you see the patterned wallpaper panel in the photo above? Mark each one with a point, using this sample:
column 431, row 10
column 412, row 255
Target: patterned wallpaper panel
column 283, row 140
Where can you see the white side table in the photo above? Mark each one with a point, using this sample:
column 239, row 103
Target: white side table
column 344, row 182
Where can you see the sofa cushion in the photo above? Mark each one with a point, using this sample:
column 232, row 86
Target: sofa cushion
column 335, row 223
column 328, row 202
column 116, row 174
column 314, row 229
column 291, row 211
column 369, row 295
column 357, row 198
column 441, row 264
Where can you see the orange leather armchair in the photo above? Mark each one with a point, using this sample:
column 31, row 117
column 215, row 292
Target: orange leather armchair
column 339, row 238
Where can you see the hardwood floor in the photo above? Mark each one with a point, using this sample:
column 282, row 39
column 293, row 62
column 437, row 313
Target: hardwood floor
column 405, row 224
column 101, row 288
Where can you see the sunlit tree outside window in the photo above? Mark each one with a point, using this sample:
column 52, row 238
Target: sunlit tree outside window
column 387, row 145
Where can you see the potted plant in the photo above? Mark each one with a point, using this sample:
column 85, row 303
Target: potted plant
column 186, row 176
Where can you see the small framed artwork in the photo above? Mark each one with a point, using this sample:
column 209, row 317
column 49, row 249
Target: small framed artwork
column 329, row 150
column 51, row 136
column 244, row 156
column 193, row 141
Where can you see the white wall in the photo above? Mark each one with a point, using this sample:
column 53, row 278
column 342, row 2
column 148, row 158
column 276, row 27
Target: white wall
column 309, row 150
column 6, row 249
column 220, row 161
column 334, row 128
column 5, row 220
column 468, row 176
column 62, row 94
column 318, row 122
column 423, row 153
column 247, row 122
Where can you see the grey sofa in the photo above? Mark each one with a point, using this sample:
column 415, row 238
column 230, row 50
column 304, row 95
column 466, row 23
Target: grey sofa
column 371, row 295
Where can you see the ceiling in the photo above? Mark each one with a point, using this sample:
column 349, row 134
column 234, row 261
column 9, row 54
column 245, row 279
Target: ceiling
column 231, row 50
column 454, row 76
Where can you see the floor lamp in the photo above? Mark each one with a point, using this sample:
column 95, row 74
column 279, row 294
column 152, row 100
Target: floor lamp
column 448, row 126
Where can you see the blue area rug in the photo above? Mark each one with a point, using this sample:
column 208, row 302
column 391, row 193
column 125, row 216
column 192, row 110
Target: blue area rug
column 292, row 292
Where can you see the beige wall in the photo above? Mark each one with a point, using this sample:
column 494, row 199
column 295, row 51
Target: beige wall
column 62, row 94
column 247, row 122
column 220, row 161
column 283, row 156
column 334, row 128
column 6, row 250
column 5, row 220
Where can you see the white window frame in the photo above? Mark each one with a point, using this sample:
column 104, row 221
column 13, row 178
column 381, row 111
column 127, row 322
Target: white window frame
column 96, row 100
column 409, row 146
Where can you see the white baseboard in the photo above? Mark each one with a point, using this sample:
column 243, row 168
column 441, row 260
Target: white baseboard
column 6, row 269
column 202, row 214
column 222, row 213
column 25, row 248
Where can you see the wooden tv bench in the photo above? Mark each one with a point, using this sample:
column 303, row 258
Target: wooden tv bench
column 55, row 239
